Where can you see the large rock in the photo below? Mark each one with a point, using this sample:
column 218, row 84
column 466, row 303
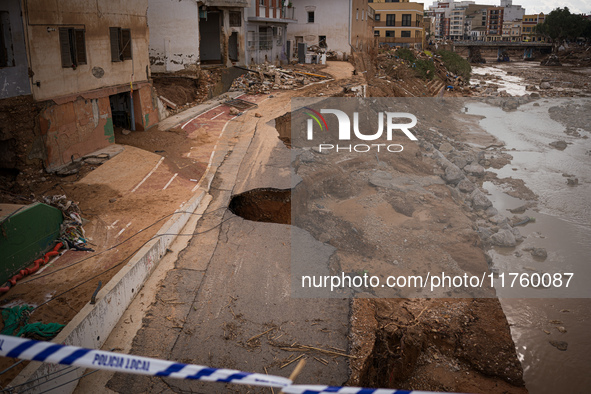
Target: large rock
column 466, row 186
column 517, row 234
column 446, row 147
column 474, row 169
column 560, row 145
column 537, row 252
column 491, row 211
column 560, row 345
column 462, row 158
column 459, row 161
column 479, row 200
column 503, row 238
column 545, row 85
column 497, row 219
column 485, row 233
column 453, row 174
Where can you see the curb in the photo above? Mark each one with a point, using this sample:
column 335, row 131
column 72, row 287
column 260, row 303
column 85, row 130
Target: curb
column 186, row 115
column 91, row 327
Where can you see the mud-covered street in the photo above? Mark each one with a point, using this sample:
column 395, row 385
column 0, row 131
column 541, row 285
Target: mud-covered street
column 472, row 195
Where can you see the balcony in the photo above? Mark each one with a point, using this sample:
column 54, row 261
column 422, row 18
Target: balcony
column 413, row 23
column 400, row 40
column 288, row 13
column 283, row 14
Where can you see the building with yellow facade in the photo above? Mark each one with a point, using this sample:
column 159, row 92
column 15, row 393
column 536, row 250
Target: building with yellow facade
column 528, row 32
column 399, row 24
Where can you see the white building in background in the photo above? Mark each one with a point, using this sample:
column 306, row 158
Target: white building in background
column 174, row 35
column 458, row 20
column 449, row 18
column 512, row 12
column 185, row 34
column 337, row 25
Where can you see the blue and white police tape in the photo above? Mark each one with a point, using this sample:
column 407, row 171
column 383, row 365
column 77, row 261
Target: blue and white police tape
column 311, row 389
column 49, row 352
column 54, row 353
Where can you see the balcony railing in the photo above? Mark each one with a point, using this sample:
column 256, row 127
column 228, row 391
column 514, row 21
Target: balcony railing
column 288, row 13
column 398, row 24
column 276, row 13
column 400, row 40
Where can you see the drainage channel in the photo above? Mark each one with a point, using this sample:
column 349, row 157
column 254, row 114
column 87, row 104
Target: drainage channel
column 268, row 205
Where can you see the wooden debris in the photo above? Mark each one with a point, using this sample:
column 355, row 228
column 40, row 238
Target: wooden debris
column 168, row 103
column 260, row 335
column 292, row 361
column 321, row 360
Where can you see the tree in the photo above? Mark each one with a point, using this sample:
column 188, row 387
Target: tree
column 587, row 29
column 560, row 25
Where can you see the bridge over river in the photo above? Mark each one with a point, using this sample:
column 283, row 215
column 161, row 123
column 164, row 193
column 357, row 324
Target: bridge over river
column 474, row 48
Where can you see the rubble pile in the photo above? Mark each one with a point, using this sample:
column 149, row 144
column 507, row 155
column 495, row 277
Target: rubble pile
column 579, row 56
column 264, row 78
column 180, row 91
column 551, row 60
column 390, row 64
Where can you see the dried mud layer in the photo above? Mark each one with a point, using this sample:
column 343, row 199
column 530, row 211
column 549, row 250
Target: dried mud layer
column 457, row 345
column 409, row 214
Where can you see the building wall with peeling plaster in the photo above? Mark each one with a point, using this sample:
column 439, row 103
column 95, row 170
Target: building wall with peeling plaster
column 77, row 119
column 226, row 32
column 174, row 35
column 331, row 19
column 266, row 16
column 74, row 128
column 70, row 128
column 335, row 19
column 43, row 19
column 14, row 78
column 224, row 7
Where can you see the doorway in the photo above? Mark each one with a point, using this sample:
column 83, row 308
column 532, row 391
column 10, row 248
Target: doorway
column 209, row 44
column 233, row 47
column 121, row 110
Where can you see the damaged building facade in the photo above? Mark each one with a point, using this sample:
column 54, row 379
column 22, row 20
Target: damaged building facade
column 266, row 39
column 341, row 26
column 14, row 79
column 174, row 35
column 222, row 28
column 88, row 70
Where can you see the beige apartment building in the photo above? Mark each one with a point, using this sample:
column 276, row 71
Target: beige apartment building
column 399, row 24
column 511, row 31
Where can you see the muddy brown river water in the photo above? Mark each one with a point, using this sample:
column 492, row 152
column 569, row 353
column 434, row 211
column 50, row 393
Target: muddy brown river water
column 562, row 227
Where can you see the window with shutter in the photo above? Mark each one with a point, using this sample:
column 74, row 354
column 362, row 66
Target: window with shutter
column 120, row 40
column 64, row 37
column 114, row 33
column 72, row 47
column 125, row 44
column 6, row 48
column 80, row 47
column 235, row 19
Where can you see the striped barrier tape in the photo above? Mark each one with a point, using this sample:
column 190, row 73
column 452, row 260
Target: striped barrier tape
column 49, row 352
column 311, row 389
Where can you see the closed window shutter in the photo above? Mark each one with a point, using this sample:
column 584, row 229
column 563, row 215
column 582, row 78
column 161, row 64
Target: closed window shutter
column 114, row 38
column 80, row 47
column 126, row 44
column 64, row 37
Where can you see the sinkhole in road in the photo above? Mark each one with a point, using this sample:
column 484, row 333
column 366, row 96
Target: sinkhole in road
column 283, row 126
column 268, row 205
